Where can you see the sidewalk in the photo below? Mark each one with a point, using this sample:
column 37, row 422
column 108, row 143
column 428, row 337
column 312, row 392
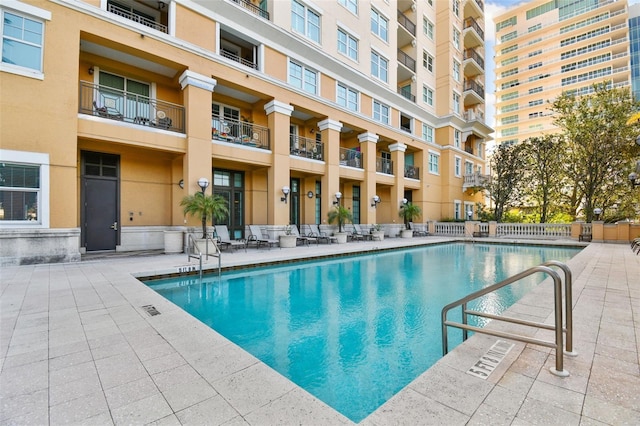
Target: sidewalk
column 76, row 346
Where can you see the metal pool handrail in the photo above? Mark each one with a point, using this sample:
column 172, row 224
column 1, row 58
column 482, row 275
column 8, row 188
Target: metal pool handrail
column 191, row 243
column 558, row 344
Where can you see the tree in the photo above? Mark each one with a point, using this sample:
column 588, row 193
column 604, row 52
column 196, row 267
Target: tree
column 544, row 181
column 339, row 215
column 205, row 206
column 408, row 213
column 507, row 174
column 600, row 146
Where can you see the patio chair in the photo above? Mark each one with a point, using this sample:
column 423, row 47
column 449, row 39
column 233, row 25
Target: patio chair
column 103, row 111
column 302, row 238
column 224, row 240
column 321, row 236
column 358, row 235
column 257, row 237
column 417, row 232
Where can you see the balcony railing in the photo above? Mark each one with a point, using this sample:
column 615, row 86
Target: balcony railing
column 473, row 54
column 351, row 157
column 471, row 23
column 406, row 60
column 412, row 172
column 125, row 13
column 115, row 104
column 475, row 180
column 239, row 132
column 406, row 23
column 384, row 165
column 238, row 59
column 480, row 3
column 253, row 8
column 306, row 148
column 475, row 86
column 406, row 93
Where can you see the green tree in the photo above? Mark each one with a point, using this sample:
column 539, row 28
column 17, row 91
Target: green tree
column 507, row 174
column 409, row 212
column 339, row 215
column 205, row 206
column 545, row 177
column 600, row 147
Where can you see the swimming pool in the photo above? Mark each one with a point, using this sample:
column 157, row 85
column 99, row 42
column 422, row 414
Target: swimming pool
column 354, row 331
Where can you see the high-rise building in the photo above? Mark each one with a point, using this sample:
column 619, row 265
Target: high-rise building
column 112, row 111
column 546, row 48
column 634, row 48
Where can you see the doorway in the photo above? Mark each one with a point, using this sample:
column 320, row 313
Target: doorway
column 229, row 185
column 294, row 206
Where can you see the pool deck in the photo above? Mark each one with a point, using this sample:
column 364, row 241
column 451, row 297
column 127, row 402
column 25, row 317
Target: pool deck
column 77, row 347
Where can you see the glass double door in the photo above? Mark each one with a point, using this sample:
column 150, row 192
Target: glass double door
column 230, row 186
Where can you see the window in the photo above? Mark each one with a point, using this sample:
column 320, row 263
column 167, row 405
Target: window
column 535, row 27
column 511, row 131
column 536, row 53
column 506, row 23
column 457, row 207
column 456, row 38
column 508, row 96
column 128, row 97
column 457, row 168
column 509, row 120
column 427, row 61
column 379, row 25
column 535, row 90
column 427, row 133
column 379, row 67
column 347, row 44
column 434, row 163
column 24, row 189
column 509, row 108
column 535, row 102
column 380, row 112
column 456, row 103
column 468, row 210
column 456, row 70
column 509, row 61
column 509, row 49
column 508, row 36
column 347, row 97
column 456, row 7
column 509, row 84
column 457, row 138
column 23, row 38
column 509, row 72
column 468, row 168
column 427, row 28
column 351, row 5
column 536, row 65
column 427, row 95
column 305, row 21
column 303, row 78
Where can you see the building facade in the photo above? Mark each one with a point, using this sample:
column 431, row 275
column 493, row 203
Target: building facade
column 113, row 110
column 546, row 48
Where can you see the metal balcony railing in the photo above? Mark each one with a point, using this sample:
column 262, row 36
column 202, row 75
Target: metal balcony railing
column 406, row 60
column 125, row 13
column 238, row 59
column 407, row 94
column 472, row 23
column 239, row 132
column 384, row 165
column 306, row 147
column 253, row 8
column 115, row 104
column 412, row 172
column 406, row 23
column 351, row 157
column 475, row 86
column 474, row 55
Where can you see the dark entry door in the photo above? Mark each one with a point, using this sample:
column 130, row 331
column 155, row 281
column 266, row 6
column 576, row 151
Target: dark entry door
column 100, row 222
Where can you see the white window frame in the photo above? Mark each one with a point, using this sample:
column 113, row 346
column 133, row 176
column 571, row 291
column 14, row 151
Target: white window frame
column 468, row 207
column 434, row 163
column 350, row 5
column 379, row 17
column 457, row 67
column 428, row 61
column 468, row 168
column 457, row 209
column 428, row 95
column 457, row 138
column 308, row 25
column 427, row 27
column 302, row 84
column 456, row 99
column 31, row 159
column 379, row 66
column 378, row 112
column 345, row 101
column 456, row 38
column 428, row 133
column 350, row 41
column 31, row 13
column 456, row 7
column 457, row 167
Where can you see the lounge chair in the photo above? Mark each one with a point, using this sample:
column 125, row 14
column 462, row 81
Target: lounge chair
column 417, row 232
column 321, row 236
column 103, row 111
column 257, row 237
column 358, row 235
column 302, row 238
column 224, row 240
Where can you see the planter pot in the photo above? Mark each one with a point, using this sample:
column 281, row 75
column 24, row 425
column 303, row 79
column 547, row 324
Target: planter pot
column 173, row 242
column 406, row 233
column 287, row 241
column 341, row 237
column 377, row 235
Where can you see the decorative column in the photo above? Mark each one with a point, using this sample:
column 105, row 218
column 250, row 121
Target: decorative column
column 196, row 162
column 279, row 119
column 331, row 180
column 368, row 143
column 397, row 191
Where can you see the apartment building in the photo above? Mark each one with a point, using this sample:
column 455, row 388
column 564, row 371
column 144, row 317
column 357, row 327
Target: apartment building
column 545, row 48
column 113, row 111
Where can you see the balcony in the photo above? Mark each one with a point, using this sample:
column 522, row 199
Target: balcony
column 306, row 148
column 475, row 180
column 412, row 172
column 473, row 8
column 115, row 104
column 408, row 70
column 239, row 132
column 239, row 50
column 351, row 158
column 406, row 30
column 473, row 33
column 384, row 165
column 136, row 16
column 473, row 63
column 405, row 92
column 256, row 10
column 473, row 93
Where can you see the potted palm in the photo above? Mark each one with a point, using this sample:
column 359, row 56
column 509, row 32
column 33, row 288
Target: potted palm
column 408, row 212
column 205, row 206
column 340, row 215
column 288, row 240
column 377, row 234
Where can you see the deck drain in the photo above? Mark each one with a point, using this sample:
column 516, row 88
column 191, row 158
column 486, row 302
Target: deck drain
column 151, row 310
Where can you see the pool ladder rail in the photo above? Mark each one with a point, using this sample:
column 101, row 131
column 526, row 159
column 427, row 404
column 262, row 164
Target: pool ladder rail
column 194, row 251
column 558, row 314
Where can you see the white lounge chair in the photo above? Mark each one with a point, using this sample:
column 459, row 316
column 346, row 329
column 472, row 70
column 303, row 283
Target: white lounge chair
column 224, row 240
column 257, row 237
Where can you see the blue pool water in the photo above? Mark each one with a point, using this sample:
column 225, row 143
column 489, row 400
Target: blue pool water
column 354, row 331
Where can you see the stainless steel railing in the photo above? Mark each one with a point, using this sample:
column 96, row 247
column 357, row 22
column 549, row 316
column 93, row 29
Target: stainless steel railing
column 192, row 244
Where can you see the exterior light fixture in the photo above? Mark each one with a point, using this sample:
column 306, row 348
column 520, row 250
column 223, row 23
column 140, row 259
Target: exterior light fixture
column 375, row 200
column 90, row 70
column 310, row 194
column 597, row 211
column 403, row 203
column 338, row 196
column 181, row 183
column 285, row 190
column 203, row 183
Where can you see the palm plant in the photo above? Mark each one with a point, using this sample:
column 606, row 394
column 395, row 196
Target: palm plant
column 409, row 212
column 341, row 215
column 205, row 206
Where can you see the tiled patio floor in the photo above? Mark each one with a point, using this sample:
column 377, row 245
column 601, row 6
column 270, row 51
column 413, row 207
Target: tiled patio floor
column 76, row 347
